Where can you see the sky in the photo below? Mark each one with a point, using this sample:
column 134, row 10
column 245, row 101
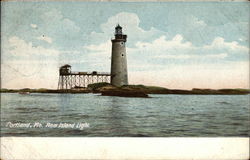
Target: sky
column 181, row 45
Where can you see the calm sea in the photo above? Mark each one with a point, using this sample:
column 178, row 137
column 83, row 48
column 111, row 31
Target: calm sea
column 94, row 115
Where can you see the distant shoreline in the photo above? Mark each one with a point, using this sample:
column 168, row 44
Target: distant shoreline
column 131, row 90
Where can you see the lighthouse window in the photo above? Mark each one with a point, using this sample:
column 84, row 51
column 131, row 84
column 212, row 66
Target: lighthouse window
column 122, row 43
column 122, row 55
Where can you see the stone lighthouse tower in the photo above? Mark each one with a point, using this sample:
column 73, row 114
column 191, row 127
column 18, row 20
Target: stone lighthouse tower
column 119, row 72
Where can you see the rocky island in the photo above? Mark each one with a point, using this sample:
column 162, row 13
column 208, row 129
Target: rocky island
column 106, row 89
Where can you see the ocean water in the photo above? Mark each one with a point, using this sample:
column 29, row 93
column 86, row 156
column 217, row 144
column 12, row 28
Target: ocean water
column 92, row 115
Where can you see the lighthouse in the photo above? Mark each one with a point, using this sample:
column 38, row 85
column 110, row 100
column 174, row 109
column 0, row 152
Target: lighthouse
column 119, row 71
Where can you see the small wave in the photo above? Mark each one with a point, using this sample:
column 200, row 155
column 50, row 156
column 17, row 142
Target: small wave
column 75, row 116
column 29, row 110
column 225, row 103
column 236, row 123
column 74, row 132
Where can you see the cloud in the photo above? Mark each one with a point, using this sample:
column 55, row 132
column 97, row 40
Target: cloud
column 45, row 38
column 131, row 26
column 29, row 65
column 29, row 74
column 33, row 66
column 19, row 47
column 70, row 52
column 231, row 47
column 216, row 76
column 216, row 56
column 177, row 48
column 99, row 55
column 102, row 47
column 64, row 31
column 58, row 24
column 162, row 46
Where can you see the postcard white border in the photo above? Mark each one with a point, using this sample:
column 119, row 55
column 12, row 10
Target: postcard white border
column 27, row 148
